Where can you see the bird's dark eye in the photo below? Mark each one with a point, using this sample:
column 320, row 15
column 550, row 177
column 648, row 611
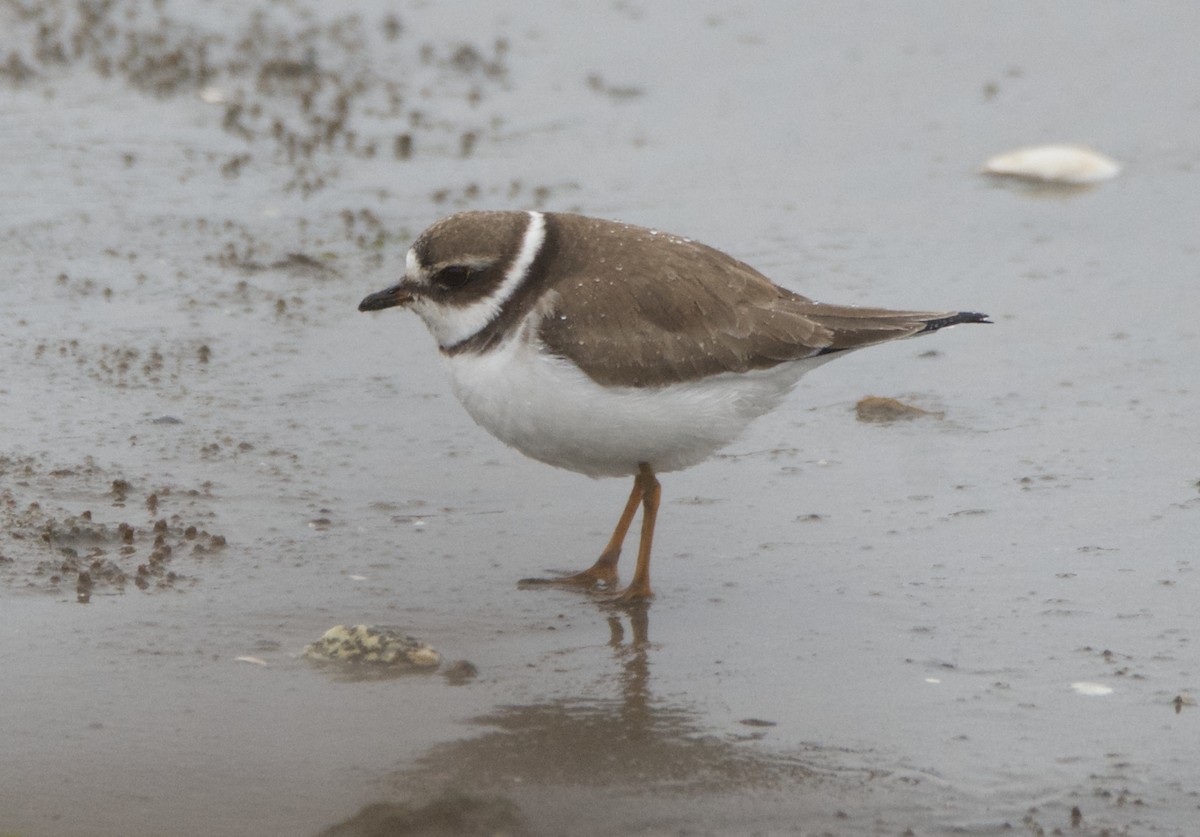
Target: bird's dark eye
column 452, row 277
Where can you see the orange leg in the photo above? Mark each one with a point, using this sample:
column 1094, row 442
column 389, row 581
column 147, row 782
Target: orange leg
column 604, row 571
column 648, row 487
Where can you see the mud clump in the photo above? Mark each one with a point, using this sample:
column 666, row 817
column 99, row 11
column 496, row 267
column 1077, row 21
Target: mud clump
column 54, row 550
column 878, row 410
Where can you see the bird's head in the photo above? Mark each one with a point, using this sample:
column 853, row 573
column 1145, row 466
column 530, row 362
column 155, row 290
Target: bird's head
column 460, row 271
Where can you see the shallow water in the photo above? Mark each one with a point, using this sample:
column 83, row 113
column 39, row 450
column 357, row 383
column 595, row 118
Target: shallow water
column 859, row 629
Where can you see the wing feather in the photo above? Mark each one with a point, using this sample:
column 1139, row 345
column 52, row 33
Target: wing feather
column 668, row 310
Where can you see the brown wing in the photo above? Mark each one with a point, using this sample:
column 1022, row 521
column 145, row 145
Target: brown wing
column 679, row 311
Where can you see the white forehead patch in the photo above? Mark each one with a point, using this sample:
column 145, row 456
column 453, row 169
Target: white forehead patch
column 450, row 325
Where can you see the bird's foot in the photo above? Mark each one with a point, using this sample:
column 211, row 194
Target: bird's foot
column 637, row 593
column 603, row 573
column 583, row 579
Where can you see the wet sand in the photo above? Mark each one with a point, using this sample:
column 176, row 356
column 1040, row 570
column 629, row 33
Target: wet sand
column 978, row 621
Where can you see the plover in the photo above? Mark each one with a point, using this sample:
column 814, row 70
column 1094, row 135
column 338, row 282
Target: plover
column 615, row 350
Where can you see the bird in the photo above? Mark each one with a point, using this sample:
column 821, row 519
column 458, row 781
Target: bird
column 614, row 350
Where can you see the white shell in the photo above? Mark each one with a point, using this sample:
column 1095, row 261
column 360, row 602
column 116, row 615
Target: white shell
column 1091, row 689
column 213, row 96
column 1054, row 164
column 258, row 661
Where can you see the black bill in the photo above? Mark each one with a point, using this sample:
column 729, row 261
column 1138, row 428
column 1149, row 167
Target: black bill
column 387, row 298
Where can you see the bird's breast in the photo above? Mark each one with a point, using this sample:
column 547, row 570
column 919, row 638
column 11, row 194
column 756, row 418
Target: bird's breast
column 547, row 408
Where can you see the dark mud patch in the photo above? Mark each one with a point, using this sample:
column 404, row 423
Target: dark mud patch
column 451, row 814
column 81, row 530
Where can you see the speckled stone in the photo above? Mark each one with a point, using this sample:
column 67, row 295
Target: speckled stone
column 379, row 645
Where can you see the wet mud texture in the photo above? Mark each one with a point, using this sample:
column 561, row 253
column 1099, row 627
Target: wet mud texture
column 979, row 621
column 51, row 549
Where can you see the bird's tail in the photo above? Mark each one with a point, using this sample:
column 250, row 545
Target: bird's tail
column 953, row 319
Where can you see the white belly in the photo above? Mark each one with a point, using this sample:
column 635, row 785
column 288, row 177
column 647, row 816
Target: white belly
column 549, row 410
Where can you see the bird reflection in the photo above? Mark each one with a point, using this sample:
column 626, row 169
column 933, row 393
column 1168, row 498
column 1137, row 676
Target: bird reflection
column 632, row 739
column 633, row 743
